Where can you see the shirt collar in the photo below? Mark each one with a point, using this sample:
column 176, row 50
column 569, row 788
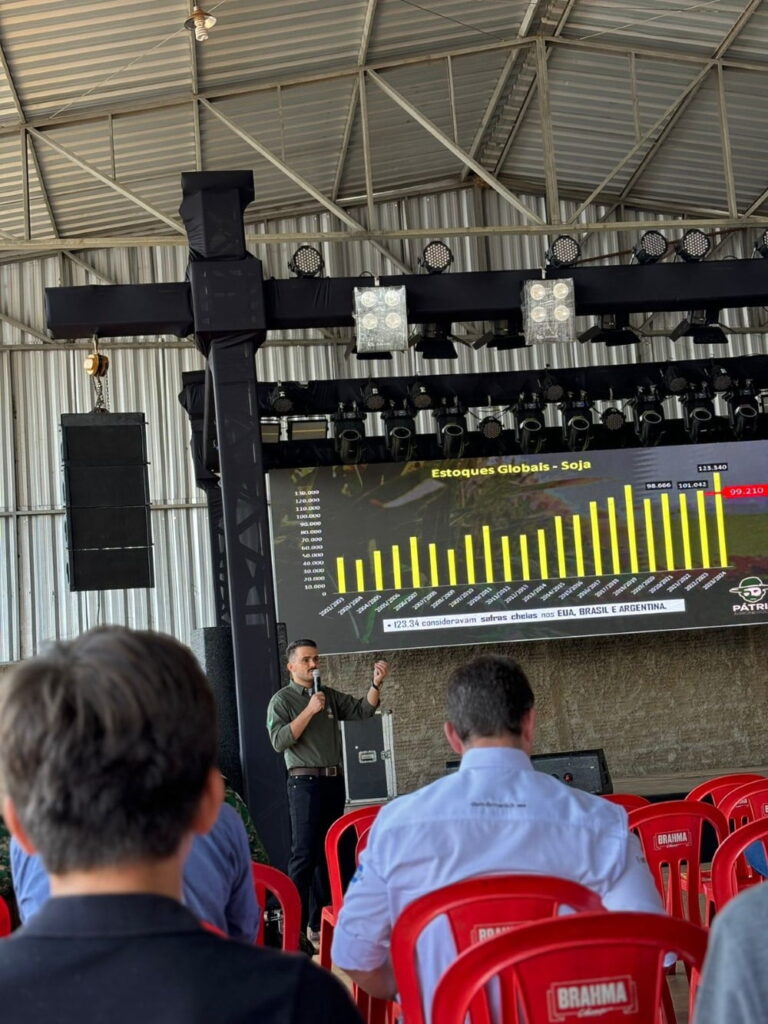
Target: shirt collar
column 118, row 914
column 509, row 758
column 305, row 691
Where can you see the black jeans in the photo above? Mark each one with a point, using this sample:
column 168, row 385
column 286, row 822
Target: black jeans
column 315, row 802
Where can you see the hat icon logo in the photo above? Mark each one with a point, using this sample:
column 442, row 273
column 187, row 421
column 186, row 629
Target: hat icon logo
column 751, row 589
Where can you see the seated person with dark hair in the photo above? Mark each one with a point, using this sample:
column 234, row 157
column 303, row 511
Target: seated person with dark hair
column 107, row 748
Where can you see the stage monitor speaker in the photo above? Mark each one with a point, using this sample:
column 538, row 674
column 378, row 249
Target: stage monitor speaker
column 106, row 491
column 583, row 769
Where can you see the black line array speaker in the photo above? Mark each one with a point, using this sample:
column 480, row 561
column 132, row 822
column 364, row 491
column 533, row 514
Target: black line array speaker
column 106, row 491
column 212, row 645
column 583, row 769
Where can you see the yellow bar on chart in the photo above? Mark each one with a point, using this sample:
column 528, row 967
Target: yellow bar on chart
column 543, row 566
column 470, row 553
column 595, row 523
column 359, row 574
column 719, row 519
column 687, row 563
column 649, row 534
column 634, row 565
column 378, row 571
column 666, row 520
column 703, row 536
column 341, row 575
column 578, row 546
column 524, row 564
column 433, row 574
column 614, row 535
column 397, row 577
column 487, row 554
column 560, row 545
column 506, row 559
column 415, row 577
column 452, row 567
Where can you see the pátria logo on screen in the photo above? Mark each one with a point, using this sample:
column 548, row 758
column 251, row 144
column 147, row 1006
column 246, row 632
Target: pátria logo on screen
column 567, row 1000
column 752, row 591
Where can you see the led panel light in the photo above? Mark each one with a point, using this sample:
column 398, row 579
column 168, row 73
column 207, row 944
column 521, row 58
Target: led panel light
column 381, row 317
column 549, row 311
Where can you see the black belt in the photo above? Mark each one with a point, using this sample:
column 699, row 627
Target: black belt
column 315, row 771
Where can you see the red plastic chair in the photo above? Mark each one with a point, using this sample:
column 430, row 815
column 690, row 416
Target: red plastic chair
column 727, row 881
column 360, row 820
column 608, row 965
column 476, row 910
column 5, row 919
column 269, row 879
column 670, row 833
column 629, row 801
column 716, row 789
column 747, row 802
column 362, row 842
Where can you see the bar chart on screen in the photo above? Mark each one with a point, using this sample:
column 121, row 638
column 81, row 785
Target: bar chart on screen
column 510, row 548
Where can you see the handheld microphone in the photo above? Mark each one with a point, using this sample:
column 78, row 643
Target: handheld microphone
column 316, row 686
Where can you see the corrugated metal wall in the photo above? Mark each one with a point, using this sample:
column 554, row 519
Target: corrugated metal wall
column 39, row 382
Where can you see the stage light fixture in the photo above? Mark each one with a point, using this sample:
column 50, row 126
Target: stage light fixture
column 348, row 435
column 549, row 310
column 577, row 422
column 280, row 401
column 612, row 329
column 743, row 411
column 451, row 430
column 400, row 434
column 675, row 380
column 721, row 379
column 373, row 400
column 651, row 247
column 315, row 429
column 648, row 416
column 612, row 419
column 381, row 320
column 551, row 388
column 694, row 246
column 306, row 262
column 504, row 334
column 698, row 414
column 433, row 341
column 436, row 257
column 564, row 252
column 490, row 428
column 529, row 424
column 419, row 396
column 703, row 326
column 761, row 245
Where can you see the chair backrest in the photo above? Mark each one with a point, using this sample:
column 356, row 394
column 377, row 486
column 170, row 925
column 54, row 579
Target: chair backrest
column 747, row 802
column 269, row 879
column 477, row 909
column 608, row 965
column 629, row 801
column 360, row 845
column 360, row 820
column 716, row 789
column 5, row 919
column 670, row 833
column 727, row 880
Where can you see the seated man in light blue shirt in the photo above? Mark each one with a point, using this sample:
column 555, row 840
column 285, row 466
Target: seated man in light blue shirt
column 217, row 883
column 495, row 815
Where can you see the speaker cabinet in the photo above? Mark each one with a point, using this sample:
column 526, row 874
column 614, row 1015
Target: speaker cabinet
column 106, row 491
column 583, row 769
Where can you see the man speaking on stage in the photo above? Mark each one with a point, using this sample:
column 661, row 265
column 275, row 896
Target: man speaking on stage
column 303, row 722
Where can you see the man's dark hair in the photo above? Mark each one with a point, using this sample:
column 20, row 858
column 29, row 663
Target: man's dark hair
column 106, row 742
column 488, row 697
column 294, row 645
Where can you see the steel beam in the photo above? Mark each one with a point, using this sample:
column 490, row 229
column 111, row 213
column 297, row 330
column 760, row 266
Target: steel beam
column 346, row 135
column 451, row 146
column 725, row 139
column 547, row 138
column 363, row 99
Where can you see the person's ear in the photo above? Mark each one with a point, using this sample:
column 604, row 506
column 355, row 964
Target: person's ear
column 527, row 729
column 454, row 740
column 15, row 827
column 210, row 803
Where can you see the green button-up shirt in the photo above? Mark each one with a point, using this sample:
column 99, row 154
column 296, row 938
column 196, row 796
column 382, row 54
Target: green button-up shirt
column 319, row 746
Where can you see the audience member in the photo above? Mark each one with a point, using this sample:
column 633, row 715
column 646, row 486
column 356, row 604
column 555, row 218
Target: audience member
column 734, row 983
column 107, row 748
column 495, row 815
column 217, row 885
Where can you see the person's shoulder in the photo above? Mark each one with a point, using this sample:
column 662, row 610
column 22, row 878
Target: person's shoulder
column 411, row 806
column 279, row 696
column 745, row 912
